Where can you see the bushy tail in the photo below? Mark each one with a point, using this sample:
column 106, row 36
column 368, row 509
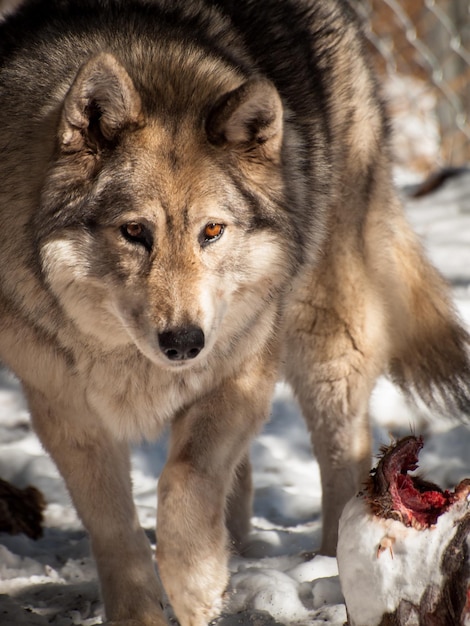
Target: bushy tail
column 435, row 366
column 431, row 347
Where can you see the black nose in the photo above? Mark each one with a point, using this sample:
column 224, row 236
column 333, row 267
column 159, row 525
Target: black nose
column 181, row 344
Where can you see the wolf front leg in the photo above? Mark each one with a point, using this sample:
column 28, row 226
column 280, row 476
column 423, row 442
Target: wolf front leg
column 336, row 345
column 208, row 443
column 95, row 468
column 239, row 505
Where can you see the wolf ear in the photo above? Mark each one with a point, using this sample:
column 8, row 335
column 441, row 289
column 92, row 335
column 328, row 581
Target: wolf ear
column 100, row 104
column 250, row 117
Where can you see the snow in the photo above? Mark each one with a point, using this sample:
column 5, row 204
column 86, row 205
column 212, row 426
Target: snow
column 279, row 579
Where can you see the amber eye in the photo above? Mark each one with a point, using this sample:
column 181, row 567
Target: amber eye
column 134, row 229
column 135, row 232
column 212, row 231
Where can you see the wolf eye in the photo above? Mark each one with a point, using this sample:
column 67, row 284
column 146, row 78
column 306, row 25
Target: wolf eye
column 212, row 232
column 135, row 232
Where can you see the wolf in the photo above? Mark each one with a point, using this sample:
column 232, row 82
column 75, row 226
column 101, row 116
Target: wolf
column 197, row 199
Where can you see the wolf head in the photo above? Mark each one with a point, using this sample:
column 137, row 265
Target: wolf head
column 167, row 229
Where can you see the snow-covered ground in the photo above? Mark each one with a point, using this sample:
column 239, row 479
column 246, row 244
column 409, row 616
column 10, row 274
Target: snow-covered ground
column 279, row 579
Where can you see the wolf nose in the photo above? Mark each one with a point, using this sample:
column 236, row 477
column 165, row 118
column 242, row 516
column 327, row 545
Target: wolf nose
column 181, row 344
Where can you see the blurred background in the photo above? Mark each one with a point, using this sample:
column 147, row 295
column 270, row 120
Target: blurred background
column 421, row 49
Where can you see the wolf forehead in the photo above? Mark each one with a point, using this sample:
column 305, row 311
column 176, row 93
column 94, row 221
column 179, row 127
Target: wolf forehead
column 116, row 151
